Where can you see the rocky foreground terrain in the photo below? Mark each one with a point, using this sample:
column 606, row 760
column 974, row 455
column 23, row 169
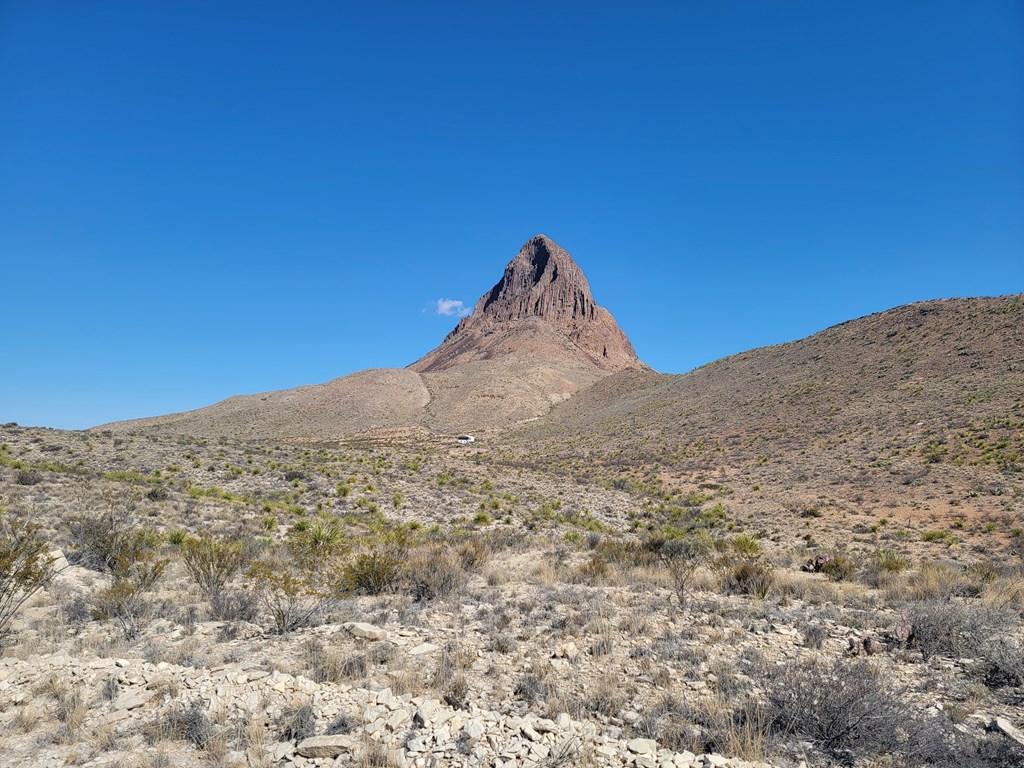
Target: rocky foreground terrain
column 421, row 603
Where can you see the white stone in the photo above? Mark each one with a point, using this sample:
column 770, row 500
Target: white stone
column 422, row 649
column 364, row 630
column 642, row 746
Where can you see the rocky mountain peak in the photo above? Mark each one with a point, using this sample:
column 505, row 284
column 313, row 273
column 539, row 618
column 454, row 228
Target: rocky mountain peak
column 542, row 308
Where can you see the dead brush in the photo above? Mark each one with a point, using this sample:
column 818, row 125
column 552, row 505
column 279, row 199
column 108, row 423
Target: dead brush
column 449, row 677
column 28, row 717
column 71, row 711
column 607, row 697
column 297, row 722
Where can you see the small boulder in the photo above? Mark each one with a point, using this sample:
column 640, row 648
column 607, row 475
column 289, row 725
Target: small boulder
column 364, row 630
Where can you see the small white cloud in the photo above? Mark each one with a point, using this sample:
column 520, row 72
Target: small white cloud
column 451, row 308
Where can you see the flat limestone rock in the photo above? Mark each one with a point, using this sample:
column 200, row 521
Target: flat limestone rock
column 325, row 746
column 133, row 699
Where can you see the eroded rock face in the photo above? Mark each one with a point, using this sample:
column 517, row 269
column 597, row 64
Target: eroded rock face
column 541, row 308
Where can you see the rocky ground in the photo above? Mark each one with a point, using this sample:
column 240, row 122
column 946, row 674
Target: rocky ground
column 464, row 609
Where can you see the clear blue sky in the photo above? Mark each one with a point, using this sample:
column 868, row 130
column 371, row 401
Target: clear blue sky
column 200, row 199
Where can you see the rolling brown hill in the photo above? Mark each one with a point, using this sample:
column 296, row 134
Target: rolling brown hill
column 921, row 407
column 533, row 340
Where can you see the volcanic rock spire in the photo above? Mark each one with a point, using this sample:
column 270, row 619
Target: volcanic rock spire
column 541, row 309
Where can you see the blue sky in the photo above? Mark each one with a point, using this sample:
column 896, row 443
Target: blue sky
column 200, row 199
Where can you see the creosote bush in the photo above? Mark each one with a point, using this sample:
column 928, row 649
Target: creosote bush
column 293, row 590
column 125, row 601
column 111, row 536
column 211, row 562
column 25, row 565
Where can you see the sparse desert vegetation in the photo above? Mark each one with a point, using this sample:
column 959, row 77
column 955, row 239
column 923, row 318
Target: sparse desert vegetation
column 238, row 603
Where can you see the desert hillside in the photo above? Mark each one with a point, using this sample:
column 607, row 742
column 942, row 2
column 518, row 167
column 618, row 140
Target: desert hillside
column 917, row 411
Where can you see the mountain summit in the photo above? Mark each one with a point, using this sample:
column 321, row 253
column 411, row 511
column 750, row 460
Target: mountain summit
column 541, row 309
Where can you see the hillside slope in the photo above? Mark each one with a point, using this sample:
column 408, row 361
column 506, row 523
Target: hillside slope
column 868, row 407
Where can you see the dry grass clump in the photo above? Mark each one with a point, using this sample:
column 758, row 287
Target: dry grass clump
column 71, row 710
column 297, row 722
column 737, row 727
column 933, row 580
column 449, row 678
column 327, row 665
column 435, row 573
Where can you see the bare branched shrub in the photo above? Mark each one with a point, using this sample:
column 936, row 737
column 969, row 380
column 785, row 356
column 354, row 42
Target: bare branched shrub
column 954, row 627
column 1003, row 663
column 25, row 565
column 681, row 556
column 849, row 711
column 126, row 601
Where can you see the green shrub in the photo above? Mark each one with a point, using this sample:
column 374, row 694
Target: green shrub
column 749, row 578
column 891, row 561
column 211, row 562
column 25, row 565
column 372, row 573
column 746, row 546
column 839, row 568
